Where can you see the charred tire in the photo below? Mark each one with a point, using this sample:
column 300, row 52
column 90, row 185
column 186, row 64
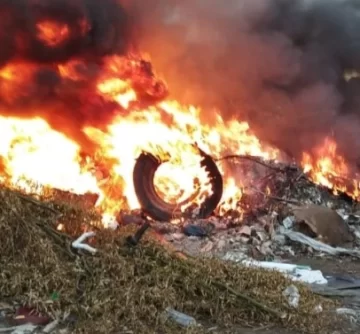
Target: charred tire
column 154, row 206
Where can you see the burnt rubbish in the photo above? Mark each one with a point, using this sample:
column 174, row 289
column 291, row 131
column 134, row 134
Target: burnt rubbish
column 154, row 206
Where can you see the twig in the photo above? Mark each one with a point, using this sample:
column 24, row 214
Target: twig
column 266, row 177
column 250, row 300
column 301, row 175
column 57, row 236
column 60, row 237
column 253, row 159
column 279, row 199
column 36, row 202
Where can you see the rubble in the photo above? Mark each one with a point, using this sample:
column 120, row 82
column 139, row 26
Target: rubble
column 319, row 246
column 271, row 218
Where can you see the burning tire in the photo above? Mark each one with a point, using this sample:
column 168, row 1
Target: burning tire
column 154, row 206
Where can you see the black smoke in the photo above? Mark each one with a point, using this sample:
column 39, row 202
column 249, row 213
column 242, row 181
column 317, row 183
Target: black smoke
column 106, row 32
column 31, row 83
column 278, row 64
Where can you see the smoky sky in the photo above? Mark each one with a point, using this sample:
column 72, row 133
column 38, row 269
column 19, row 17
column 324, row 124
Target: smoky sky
column 278, row 64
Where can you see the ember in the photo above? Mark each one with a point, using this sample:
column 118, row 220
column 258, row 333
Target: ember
column 79, row 105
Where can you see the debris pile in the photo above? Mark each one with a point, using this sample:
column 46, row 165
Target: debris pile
column 125, row 288
column 281, row 213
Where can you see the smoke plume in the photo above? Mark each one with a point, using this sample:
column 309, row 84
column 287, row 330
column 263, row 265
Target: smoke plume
column 278, row 64
column 96, row 28
column 37, row 37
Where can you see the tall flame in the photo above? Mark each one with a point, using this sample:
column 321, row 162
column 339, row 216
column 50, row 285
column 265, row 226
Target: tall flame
column 32, row 150
column 328, row 168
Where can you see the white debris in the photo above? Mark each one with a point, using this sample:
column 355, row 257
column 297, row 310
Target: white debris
column 347, row 311
column 292, row 295
column 280, row 239
column 343, row 214
column 352, row 315
column 178, row 236
column 318, row 309
column 51, row 326
column 281, row 230
column 221, row 244
column 320, row 246
column 23, row 329
column 110, row 222
column 235, row 256
column 245, row 230
column 356, row 232
column 180, row 318
column 296, row 273
column 278, row 266
column 309, row 276
column 78, row 243
column 288, row 222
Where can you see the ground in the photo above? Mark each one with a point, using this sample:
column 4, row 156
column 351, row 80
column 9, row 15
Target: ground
column 329, row 266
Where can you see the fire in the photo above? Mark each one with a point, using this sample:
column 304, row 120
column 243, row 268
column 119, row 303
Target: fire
column 32, row 150
column 328, row 168
column 14, row 78
column 52, row 33
column 146, row 129
column 117, row 90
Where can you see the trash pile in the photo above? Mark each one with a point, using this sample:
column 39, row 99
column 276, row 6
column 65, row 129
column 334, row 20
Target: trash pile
column 282, row 214
column 53, row 281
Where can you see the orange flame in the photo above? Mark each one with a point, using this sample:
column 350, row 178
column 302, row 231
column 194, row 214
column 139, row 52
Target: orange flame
column 52, row 33
column 327, row 168
column 31, row 150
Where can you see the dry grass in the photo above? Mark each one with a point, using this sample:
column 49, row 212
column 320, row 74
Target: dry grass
column 131, row 287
